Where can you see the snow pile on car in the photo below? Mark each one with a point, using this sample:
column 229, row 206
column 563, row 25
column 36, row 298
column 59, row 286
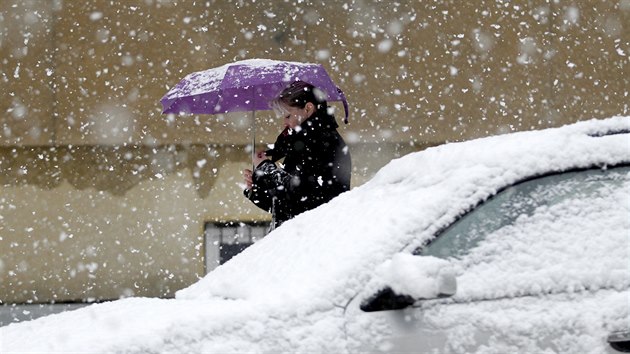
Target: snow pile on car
column 327, row 254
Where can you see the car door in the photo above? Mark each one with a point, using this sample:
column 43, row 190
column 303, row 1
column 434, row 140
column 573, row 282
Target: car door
column 541, row 267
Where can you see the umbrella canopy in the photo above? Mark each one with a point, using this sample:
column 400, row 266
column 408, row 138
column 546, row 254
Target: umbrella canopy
column 247, row 85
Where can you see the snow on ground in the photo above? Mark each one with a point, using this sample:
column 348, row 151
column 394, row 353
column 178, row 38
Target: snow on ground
column 289, row 290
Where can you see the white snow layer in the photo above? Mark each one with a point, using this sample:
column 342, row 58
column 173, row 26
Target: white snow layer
column 415, row 276
column 211, row 80
column 328, row 252
column 288, row 292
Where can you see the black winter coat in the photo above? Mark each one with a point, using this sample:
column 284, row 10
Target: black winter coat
column 317, row 168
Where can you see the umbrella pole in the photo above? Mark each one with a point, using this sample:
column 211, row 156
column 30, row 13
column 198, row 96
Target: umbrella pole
column 253, row 138
column 273, row 199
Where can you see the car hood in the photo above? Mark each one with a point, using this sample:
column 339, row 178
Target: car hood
column 121, row 322
column 143, row 324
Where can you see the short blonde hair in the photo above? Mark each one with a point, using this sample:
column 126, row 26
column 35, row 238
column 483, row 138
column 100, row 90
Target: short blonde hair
column 298, row 94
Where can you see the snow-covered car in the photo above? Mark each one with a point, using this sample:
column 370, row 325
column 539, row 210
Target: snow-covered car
column 513, row 243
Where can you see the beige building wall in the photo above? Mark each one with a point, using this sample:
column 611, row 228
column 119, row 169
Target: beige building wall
column 101, row 196
column 89, row 224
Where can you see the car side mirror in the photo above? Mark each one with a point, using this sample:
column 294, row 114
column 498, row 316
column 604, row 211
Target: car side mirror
column 620, row 341
column 406, row 279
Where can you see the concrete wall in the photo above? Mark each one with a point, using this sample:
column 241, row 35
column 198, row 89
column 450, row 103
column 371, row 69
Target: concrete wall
column 101, row 196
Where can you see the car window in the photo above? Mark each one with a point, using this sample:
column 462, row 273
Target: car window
column 553, row 192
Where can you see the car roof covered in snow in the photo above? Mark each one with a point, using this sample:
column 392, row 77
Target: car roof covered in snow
column 328, row 253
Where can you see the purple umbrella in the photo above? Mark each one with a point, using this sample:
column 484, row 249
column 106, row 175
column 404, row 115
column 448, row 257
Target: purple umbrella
column 247, row 85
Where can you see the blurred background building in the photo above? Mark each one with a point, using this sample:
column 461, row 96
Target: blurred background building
column 102, row 196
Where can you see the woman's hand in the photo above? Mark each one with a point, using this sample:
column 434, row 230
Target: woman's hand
column 247, row 176
column 247, row 173
column 259, row 157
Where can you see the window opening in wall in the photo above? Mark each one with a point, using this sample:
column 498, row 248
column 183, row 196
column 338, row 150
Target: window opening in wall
column 224, row 240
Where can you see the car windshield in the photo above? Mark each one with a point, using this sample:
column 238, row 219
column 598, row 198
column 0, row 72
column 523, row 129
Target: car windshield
column 521, row 201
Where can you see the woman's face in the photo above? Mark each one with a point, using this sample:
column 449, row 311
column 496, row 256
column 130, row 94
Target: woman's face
column 294, row 116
